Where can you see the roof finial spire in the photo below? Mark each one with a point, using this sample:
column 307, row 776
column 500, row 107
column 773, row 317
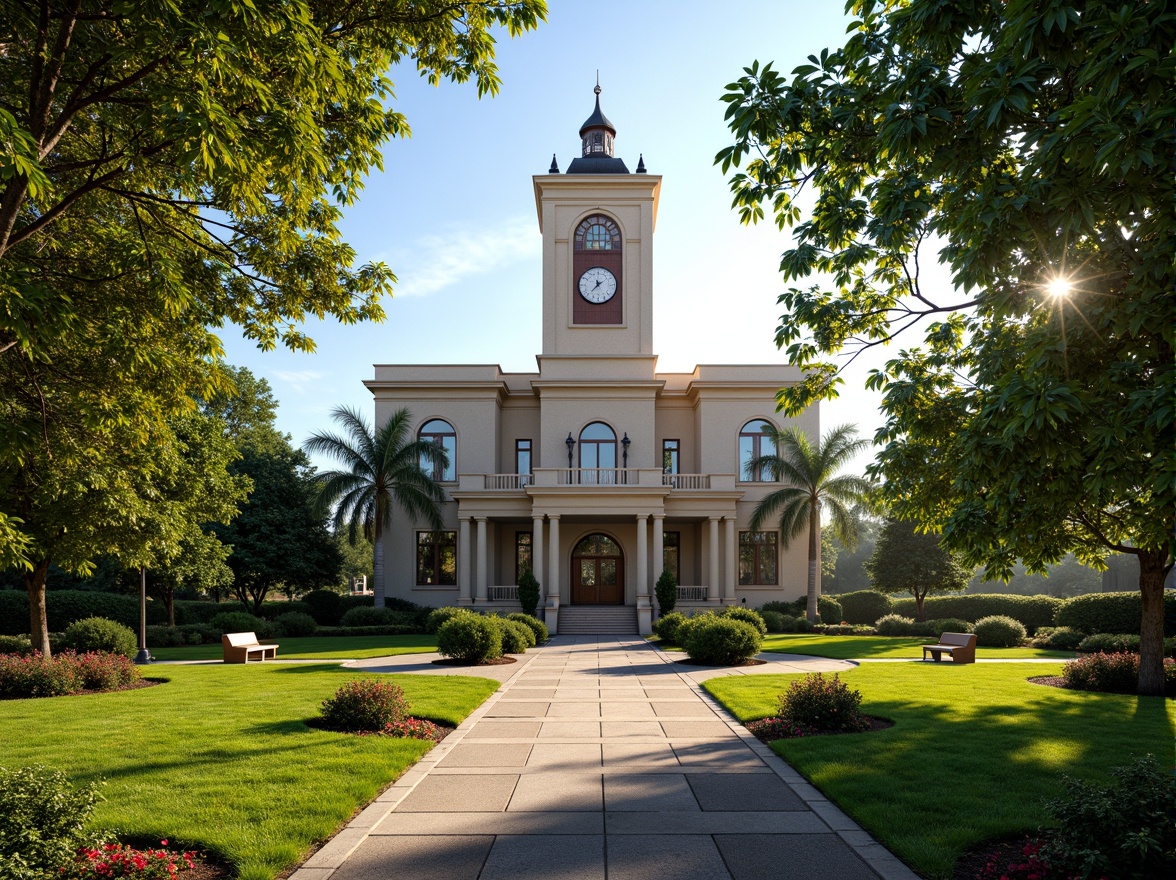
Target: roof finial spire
column 597, row 89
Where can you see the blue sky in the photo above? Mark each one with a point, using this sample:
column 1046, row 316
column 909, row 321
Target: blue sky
column 453, row 212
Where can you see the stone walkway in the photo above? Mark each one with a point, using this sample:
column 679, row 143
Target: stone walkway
column 601, row 758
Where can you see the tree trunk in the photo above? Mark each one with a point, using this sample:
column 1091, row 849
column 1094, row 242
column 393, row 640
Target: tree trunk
column 38, row 619
column 919, row 597
column 814, row 572
column 1152, row 570
column 169, row 596
column 378, row 572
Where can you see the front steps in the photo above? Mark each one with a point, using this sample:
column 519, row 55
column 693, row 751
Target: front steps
column 597, row 620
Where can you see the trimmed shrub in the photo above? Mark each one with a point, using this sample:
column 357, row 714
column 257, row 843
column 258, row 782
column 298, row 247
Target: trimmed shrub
column 295, row 623
column 387, row 630
column 1116, row 673
column 666, row 591
column 796, row 608
column 825, row 704
column 864, row 606
column 15, row 645
column 528, row 593
column 720, row 640
column 774, row 621
column 63, row 607
column 736, row 612
column 516, row 637
column 936, row 628
column 666, row 627
column 469, row 637
column 1112, row 613
column 366, row 616
column 326, row 607
column 895, row 625
column 1061, row 638
column 438, row 616
column 35, row 675
column 274, row 610
column 165, row 637
column 100, row 634
column 1031, row 611
column 1109, row 643
column 537, row 626
column 241, row 621
column 44, row 820
column 829, row 610
column 999, row 631
column 364, row 705
column 103, row 670
column 845, row 629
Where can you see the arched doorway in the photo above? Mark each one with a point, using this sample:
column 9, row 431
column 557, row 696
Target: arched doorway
column 598, row 572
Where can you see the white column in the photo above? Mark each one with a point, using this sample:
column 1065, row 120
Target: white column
column 537, row 555
column 553, row 560
column 642, row 555
column 482, row 573
column 729, row 560
column 659, row 550
column 465, row 585
column 712, row 588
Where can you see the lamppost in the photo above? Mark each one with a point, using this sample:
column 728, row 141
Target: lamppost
column 571, row 444
column 625, row 441
column 144, row 656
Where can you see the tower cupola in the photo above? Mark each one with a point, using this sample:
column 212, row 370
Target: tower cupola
column 597, row 133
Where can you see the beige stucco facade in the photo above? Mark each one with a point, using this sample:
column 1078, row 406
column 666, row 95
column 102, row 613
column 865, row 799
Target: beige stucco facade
column 589, row 374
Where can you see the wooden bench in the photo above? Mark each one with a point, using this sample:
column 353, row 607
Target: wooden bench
column 960, row 646
column 239, row 647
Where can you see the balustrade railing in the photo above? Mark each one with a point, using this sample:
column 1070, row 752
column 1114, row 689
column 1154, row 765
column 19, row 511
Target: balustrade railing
column 599, row 477
column 691, row 594
column 686, row 481
column 508, row 481
column 503, row 594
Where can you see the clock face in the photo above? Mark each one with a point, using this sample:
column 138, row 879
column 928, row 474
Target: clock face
column 597, row 285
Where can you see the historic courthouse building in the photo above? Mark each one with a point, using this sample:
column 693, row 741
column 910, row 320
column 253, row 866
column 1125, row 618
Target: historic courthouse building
column 596, row 472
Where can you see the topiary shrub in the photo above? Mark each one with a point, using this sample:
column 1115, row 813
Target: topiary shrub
column 469, row 637
column 100, row 634
column 774, row 621
column 438, row 616
column 999, row 631
column 295, row 623
column 1122, row 830
column 720, row 640
column 1031, row 611
column 823, row 704
column 15, row 645
column 44, row 820
column 895, row 625
column 365, row 616
column 274, row 610
column 1061, row 638
column 1109, row 643
column 666, row 591
column 364, row 705
column 829, row 610
column 325, row 606
column 666, row 627
column 936, row 628
column 537, row 626
column 240, row 621
column 736, row 612
column 864, row 607
column 516, row 637
column 528, row 593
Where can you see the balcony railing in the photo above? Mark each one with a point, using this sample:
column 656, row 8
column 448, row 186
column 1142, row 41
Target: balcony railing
column 503, row 594
column 599, row 477
column 691, row 594
column 646, row 478
column 508, row 481
column 687, row 481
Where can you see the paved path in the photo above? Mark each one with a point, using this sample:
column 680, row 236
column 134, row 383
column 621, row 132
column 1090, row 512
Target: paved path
column 601, row 758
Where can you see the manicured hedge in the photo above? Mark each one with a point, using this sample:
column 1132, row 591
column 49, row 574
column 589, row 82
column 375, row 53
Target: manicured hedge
column 1032, row 611
column 1113, row 613
column 864, row 607
column 391, row 630
column 66, row 606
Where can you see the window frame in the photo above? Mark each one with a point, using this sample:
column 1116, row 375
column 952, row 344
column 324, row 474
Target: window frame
column 757, row 439
column 676, row 546
column 746, row 540
column 530, row 453
column 432, row 469
column 435, row 561
column 529, row 543
column 676, row 452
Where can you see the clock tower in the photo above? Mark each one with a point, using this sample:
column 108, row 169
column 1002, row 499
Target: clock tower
column 597, row 221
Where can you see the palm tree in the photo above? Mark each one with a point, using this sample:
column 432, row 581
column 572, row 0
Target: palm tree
column 380, row 470
column 814, row 486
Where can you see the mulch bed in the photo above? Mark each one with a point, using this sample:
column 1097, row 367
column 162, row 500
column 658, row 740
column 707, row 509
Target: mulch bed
column 767, row 730
column 1052, row 681
column 752, row 662
column 1000, row 852
column 436, row 732
column 133, row 686
column 453, row 661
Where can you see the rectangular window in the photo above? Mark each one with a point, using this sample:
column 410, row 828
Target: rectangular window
column 522, row 554
column 523, row 460
column 672, row 555
column 670, row 457
column 436, row 559
column 757, row 557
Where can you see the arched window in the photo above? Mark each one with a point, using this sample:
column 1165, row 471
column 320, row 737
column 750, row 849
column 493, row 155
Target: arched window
column 598, row 233
column 441, row 433
column 755, row 441
column 598, row 454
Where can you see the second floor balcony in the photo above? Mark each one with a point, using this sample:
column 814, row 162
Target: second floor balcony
column 594, row 478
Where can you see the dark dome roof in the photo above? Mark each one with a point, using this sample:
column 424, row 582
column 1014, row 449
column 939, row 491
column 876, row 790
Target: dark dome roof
column 598, row 119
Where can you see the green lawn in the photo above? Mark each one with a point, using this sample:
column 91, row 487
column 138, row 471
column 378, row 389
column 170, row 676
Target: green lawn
column 316, row 648
column 974, row 751
column 863, row 647
column 220, row 757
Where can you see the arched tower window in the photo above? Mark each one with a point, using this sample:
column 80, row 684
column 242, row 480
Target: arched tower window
column 598, row 233
column 597, row 296
column 440, row 433
column 598, row 454
column 755, row 441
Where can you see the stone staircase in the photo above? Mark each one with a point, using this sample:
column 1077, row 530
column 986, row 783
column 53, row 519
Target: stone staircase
column 597, row 620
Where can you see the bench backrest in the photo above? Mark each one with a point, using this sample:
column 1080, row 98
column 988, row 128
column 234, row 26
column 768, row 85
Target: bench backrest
column 961, row 639
column 241, row 640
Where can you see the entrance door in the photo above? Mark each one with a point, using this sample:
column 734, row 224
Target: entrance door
column 598, row 572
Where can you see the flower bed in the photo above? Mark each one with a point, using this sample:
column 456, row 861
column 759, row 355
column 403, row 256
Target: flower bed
column 120, row 860
column 35, row 675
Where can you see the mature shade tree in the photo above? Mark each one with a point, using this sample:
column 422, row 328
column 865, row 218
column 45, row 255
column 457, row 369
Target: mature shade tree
column 198, row 564
column 814, row 487
column 906, row 560
column 278, row 540
column 382, row 470
column 1027, row 147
